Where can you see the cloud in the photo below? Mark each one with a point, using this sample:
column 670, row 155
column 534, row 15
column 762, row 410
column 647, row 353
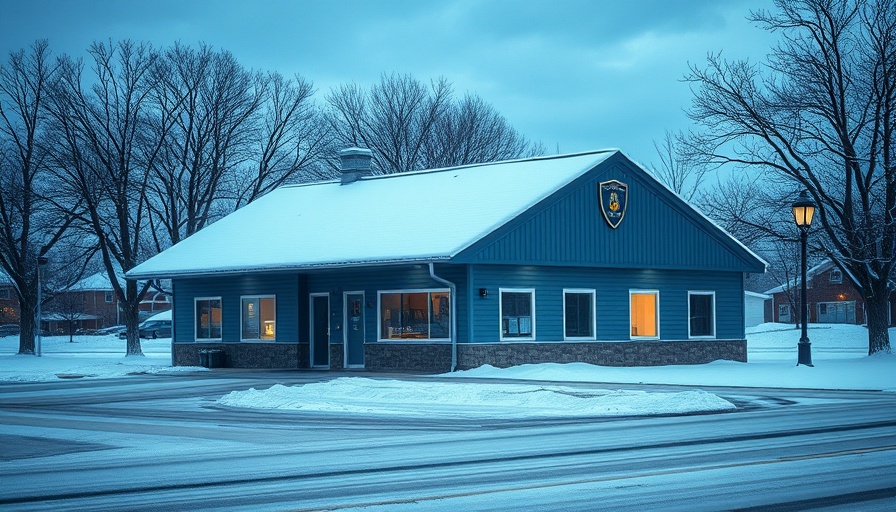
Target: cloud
column 577, row 74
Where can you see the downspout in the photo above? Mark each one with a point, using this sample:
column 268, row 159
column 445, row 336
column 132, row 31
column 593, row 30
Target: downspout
column 453, row 291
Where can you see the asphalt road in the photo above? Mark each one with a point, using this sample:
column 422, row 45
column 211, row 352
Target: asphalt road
column 161, row 443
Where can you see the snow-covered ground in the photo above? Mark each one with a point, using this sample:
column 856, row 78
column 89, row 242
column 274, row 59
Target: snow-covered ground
column 85, row 356
column 838, row 352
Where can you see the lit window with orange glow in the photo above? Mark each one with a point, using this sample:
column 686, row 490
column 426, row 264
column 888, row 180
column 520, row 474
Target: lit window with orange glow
column 259, row 318
column 645, row 314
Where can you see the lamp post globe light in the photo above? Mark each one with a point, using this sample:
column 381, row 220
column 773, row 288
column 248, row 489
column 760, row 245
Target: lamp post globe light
column 41, row 262
column 803, row 211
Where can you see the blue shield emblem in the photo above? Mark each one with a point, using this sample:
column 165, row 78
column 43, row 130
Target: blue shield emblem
column 613, row 201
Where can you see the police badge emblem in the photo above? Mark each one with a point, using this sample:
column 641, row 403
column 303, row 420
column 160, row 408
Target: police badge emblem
column 613, row 201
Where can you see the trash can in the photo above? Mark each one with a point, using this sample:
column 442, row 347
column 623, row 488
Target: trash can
column 203, row 358
column 215, row 358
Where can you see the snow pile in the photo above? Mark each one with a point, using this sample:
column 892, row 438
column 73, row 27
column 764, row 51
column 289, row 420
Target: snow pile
column 876, row 372
column 470, row 400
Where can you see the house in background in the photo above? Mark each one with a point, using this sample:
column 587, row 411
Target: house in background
column 582, row 257
column 831, row 296
column 153, row 302
column 9, row 301
column 91, row 304
column 88, row 304
column 754, row 308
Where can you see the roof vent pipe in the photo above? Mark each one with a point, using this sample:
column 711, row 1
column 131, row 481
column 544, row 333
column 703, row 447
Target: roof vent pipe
column 354, row 163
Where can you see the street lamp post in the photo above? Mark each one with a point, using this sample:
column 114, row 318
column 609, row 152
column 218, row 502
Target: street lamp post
column 803, row 211
column 41, row 261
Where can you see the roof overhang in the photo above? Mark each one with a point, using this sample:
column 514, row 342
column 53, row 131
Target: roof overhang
column 301, row 268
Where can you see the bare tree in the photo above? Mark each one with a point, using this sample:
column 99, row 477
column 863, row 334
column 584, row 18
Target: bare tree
column 410, row 126
column 108, row 138
column 680, row 171
column 472, row 131
column 748, row 207
column 785, row 259
column 820, row 116
column 67, row 307
column 293, row 141
column 29, row 225
column 212, row 101
column 394, row 119
column 68, row 263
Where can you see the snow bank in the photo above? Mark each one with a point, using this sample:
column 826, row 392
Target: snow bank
column 480, row 400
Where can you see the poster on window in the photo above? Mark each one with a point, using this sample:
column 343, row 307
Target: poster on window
column 525, row 325
column 251, row 324
column 513, row 326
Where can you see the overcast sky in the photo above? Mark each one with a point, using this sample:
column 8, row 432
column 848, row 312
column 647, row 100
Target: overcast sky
column 574, row 74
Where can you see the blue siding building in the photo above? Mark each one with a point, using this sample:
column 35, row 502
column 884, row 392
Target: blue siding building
column 582, row 257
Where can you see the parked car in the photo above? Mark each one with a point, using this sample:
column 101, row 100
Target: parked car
column 114, row 330
column 155, row 329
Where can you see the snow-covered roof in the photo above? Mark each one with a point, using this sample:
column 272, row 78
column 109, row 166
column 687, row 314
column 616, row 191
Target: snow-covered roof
column 824, row 265
column 97, row 282
column 757, row 295
column 164, row 315
column 410, row 217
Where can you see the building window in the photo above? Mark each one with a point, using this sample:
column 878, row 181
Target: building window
column 836, row 276
column 258, row 318
column 517, row 314
column 578, row 314
column 783, row 312
column 5, row 294
column 208, row 318
column 645, row 314
column 701, row 314
column 109, row 297
column 417, row 315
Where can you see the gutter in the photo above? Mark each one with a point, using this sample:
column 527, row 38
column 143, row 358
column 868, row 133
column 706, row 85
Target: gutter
column 131, row 275
column 453, row 289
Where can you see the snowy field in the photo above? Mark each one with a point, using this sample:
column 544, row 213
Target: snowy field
column 838, row 352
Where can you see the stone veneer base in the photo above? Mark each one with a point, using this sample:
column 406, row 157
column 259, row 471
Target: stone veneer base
column 436, row 357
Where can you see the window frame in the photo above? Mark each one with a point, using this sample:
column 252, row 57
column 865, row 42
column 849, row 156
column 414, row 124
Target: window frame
column 581, row 291
column 258, row 340
column 109, row 297
column 783, row 311
column 839, row 278
column 712, row 294
column 655, row 293
column 428, row 292
column 196, row 319
column 501, row 291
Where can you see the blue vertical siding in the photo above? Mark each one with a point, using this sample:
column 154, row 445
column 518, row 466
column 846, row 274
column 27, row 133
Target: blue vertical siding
column 292, row 291
column 375, row 279
column 612, row 299
column 658, row 231
column 230, row 288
